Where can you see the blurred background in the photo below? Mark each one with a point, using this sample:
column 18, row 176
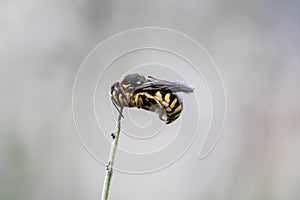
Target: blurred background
column 256, row 45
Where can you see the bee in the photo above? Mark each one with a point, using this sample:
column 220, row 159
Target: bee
column 152, row 94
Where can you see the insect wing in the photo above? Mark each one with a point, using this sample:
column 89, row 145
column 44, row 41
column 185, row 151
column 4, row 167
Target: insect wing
column 158, row 84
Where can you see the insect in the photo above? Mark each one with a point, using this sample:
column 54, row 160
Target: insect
column 152, row 94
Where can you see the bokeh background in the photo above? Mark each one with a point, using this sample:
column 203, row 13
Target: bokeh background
column 256, row 45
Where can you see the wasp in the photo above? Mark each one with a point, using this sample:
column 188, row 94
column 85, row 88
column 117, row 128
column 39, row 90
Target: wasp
column 152, row 94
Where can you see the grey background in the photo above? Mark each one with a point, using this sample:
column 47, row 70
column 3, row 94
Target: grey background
column 256, row 46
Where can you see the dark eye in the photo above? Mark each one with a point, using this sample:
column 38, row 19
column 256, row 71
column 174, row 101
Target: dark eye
column 112, row 89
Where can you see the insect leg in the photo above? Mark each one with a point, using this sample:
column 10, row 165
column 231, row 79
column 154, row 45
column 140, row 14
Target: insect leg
column 117, row 109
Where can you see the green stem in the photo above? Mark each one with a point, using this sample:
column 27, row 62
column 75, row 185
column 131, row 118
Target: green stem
column 109, row 167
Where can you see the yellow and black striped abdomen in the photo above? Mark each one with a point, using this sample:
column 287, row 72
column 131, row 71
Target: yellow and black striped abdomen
column 172, row 104
column 167, row 104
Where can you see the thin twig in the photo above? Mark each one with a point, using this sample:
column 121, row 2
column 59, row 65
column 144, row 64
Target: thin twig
column 109, row 167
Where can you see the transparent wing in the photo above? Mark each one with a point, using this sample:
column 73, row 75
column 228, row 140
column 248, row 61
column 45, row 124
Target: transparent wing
column 159, row 84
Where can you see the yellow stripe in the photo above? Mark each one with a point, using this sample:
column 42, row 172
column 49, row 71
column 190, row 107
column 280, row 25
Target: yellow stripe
column 115, row 98
column 136, row 100
column 148, row 96
column 138, row 82
column 173, row 103
column 120, row 99
column 126, row 86
column 176, row 116
column 158, row 94
column 167, row 97
column 172, row 119
column 177, row 109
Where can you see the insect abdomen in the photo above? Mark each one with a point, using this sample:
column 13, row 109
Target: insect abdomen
column 172, row 104
column 167, row 104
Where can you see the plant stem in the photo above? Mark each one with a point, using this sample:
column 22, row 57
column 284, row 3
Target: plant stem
column 109, row 167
